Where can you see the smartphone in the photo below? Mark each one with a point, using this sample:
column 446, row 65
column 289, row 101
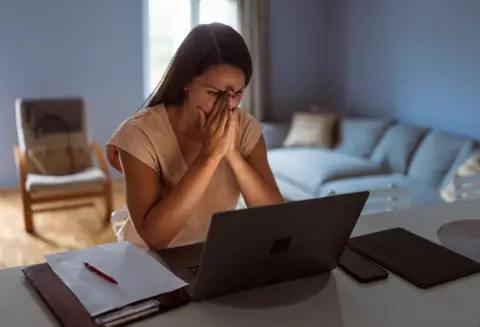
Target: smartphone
column 360, row 268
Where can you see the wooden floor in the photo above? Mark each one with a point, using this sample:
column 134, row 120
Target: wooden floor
column 63, row 230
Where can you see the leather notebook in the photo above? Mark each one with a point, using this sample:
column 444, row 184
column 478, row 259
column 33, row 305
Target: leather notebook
column 69, row 312
column 417, row 260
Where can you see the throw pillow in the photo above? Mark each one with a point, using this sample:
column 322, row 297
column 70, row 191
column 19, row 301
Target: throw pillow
column 437, row 157
column 359, row 136
column 470, row 167
column 311, row 129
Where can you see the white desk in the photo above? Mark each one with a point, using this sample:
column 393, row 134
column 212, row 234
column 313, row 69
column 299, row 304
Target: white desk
column 332, row 300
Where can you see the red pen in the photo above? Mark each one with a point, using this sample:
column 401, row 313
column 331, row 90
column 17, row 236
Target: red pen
column 100, row 273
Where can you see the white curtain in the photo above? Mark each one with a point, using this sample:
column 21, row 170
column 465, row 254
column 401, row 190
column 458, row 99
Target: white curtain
column 253, row 17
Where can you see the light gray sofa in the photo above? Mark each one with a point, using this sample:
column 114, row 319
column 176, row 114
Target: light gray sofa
column 369, row 154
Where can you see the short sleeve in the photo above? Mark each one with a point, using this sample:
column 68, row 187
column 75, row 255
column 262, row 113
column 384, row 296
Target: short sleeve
column 132, row 139
column 249, row 132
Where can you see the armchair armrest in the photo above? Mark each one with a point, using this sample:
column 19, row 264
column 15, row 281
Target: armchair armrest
column 101, row 158
column 21, row 163
column 275, row 134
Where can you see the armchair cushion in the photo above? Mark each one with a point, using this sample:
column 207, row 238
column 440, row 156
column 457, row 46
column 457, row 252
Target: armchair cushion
column 89, row 177
column 61, row 161
column 53, row 134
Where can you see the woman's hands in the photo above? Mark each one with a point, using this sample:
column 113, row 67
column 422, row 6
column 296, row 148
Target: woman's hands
column 219, row 128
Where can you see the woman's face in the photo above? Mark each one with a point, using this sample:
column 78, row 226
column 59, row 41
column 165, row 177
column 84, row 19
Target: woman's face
column 204, row 90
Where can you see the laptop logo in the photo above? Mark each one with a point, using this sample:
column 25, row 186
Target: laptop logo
column 280, row 245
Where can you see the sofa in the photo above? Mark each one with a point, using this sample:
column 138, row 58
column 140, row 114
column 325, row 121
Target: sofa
column 367, row 154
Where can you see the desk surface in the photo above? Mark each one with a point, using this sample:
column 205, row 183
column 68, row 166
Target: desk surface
column 329, row 300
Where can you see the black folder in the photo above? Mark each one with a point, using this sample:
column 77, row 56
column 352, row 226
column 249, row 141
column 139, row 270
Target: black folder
column 68, row 310
column 417, row 260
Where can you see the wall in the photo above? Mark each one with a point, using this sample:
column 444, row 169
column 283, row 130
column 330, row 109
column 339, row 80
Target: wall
column 297, row 56
column 55, row 48
column 93, row 49
column 415, row 60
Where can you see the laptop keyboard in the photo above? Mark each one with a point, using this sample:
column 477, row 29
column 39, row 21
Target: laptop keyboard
column 194, row 269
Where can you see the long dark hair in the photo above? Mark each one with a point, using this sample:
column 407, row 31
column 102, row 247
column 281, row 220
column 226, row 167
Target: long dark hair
column 206, row 45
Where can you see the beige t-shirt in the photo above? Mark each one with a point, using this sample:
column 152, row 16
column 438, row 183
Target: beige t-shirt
column 149, row 136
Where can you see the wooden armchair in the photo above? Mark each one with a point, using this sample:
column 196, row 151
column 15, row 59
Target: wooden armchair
column 54, row 157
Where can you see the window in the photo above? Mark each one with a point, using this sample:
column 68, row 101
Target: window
column 169, row 21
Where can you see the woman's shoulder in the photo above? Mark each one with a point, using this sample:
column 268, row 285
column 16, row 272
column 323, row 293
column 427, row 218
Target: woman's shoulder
column 147, row 120
column 148, row 123
column 247, row 120
column 244, row 113
column 249, row 131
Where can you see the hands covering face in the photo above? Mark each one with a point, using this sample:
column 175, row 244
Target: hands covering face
column 219, row 126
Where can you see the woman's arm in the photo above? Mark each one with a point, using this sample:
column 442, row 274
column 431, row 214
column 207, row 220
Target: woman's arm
column 157, row 217
column 254, row 176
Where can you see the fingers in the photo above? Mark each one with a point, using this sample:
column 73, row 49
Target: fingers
column 231, row 121
column 222, row 125
column 215, row 115
column 231, row 103
column 222, row 105
column 203, row 119
column 215, row 109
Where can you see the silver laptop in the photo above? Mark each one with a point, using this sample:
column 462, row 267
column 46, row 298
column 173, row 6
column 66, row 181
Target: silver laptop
column 254, row 247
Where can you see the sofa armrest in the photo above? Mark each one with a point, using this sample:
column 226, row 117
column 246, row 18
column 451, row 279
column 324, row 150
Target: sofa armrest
column 275, row 134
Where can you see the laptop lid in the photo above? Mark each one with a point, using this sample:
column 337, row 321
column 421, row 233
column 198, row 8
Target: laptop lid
column 254, row 247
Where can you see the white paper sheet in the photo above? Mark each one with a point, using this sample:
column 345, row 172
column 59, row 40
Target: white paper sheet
column 139, row 276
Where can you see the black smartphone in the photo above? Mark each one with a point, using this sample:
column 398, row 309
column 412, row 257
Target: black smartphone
column 360, row 268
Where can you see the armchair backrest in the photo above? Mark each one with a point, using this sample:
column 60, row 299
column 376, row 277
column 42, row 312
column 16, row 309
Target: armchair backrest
column 53, row 135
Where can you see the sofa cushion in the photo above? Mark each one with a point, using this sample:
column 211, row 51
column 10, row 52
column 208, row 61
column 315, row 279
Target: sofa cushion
column 275, row 134
column 359, row 136
column 421, row 193
column 436, row 157
column 308, row 168
column 396, row 147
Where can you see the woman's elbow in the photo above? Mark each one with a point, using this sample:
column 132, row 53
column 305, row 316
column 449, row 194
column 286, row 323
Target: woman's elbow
column 156, row 243
column 152, row 237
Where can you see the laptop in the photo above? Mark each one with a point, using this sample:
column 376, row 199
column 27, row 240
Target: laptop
column 255, row 247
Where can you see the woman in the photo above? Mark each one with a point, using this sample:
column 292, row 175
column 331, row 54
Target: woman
column 192, row 152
